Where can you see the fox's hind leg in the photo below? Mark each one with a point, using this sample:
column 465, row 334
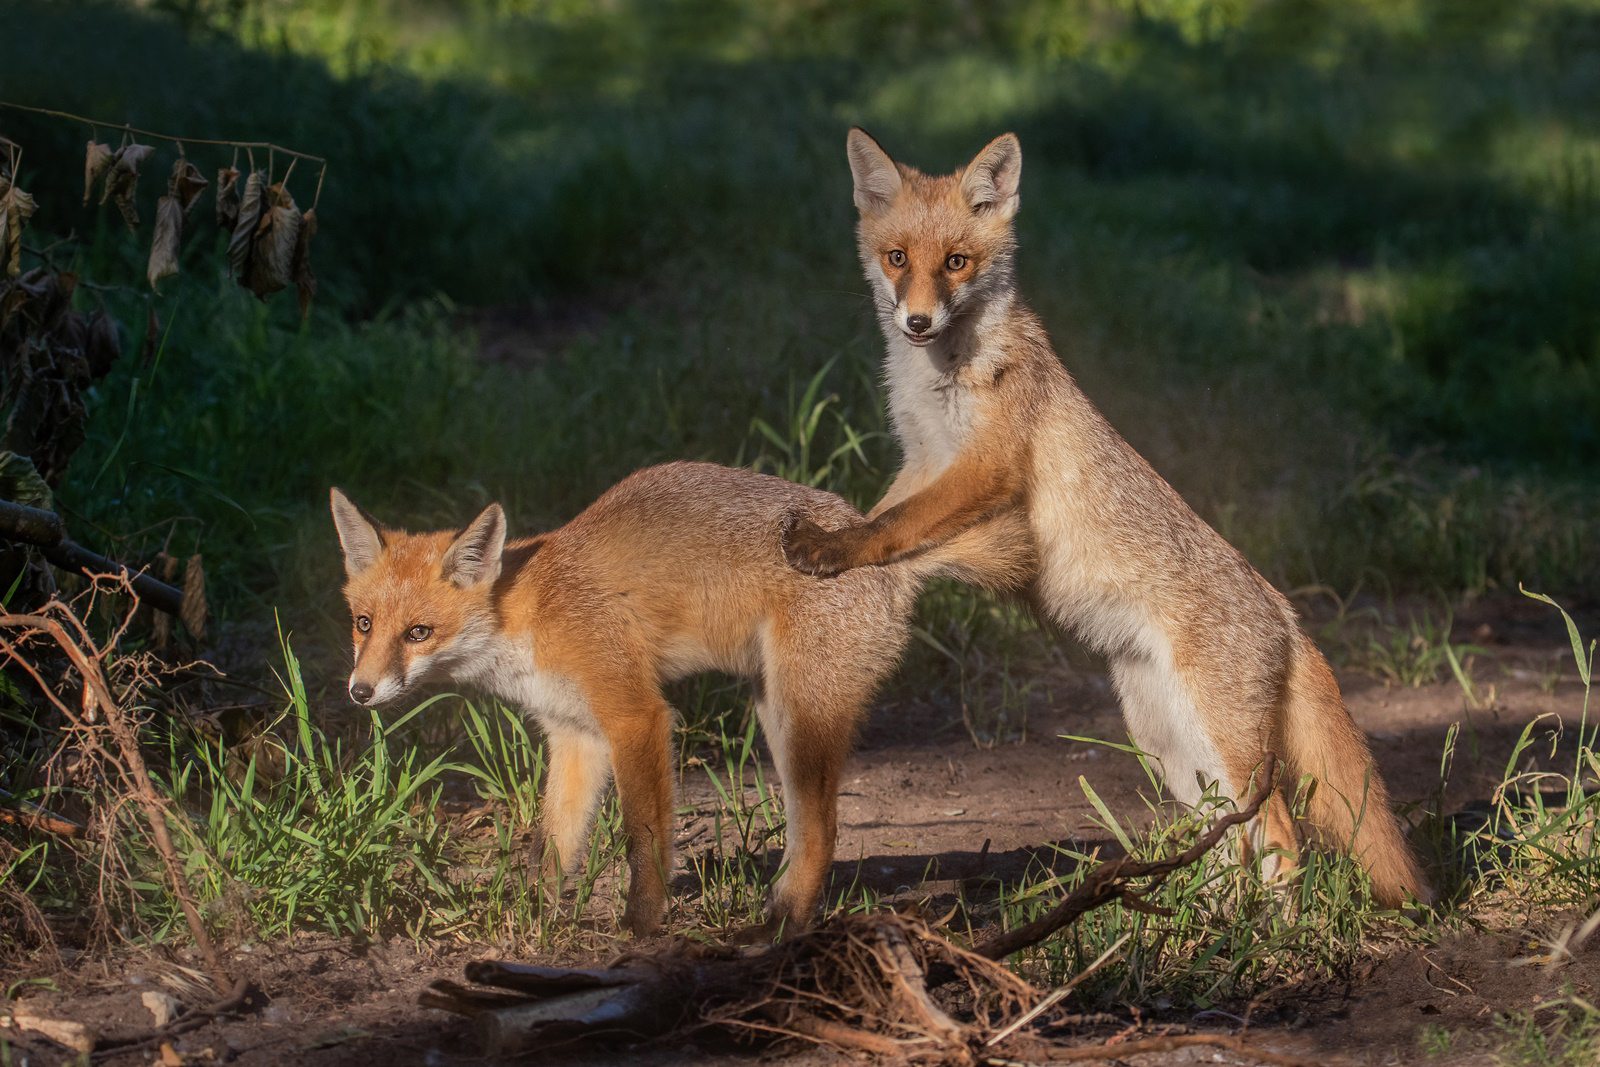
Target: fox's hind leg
column 809, row 722
column 638, row 725
column 1218, row 747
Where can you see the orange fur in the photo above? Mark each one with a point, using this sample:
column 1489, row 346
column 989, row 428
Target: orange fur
column 1208, row 659
column 677, row 569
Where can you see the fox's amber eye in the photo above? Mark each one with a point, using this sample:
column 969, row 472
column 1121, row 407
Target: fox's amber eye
column 957, row 261
column 419, row 633
column 363, row 623
column 896, row 258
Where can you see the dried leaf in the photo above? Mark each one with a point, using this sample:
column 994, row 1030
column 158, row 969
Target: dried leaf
column 70, row 337
column 193, row 608
column 12, row 297
column 124, row 176
column 186, row 184
column 227, row 198
column 96, row 162
column 272, row 252
column 240, row 246
column 164, row 246
column 305, row 283
column 16, row 207
column 104, row 346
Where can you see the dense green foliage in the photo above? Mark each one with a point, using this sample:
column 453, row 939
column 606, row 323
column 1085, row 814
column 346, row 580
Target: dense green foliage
column 1329, row 265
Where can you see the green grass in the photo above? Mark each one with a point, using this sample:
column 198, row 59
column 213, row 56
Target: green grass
column 1218, row 936
column 1563, row 1033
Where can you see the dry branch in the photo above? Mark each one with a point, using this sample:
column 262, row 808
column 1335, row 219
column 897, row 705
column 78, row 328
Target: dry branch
column 856, row 982
column 41, row 528
column 235, row 1000
column 21, row 813
column 1109, row 881
column 98, row 703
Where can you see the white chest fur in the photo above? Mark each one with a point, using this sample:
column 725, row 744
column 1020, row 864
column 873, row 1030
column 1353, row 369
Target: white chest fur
column 506, row 668
column 930, row 412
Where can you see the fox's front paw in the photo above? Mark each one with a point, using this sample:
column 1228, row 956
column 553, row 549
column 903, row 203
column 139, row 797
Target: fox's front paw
column 812, row 550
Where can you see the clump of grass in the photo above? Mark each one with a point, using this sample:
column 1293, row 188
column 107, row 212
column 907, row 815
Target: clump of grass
column 1539, row 844
column 746, row 820
column 1216, row 932
column 339, row 835
column 802, row 448
column 1407, row 654
column 1564, row 1033
column 1415, row 654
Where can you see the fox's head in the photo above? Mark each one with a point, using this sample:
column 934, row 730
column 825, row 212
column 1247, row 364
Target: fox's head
column 420, row 604
column 935, row 249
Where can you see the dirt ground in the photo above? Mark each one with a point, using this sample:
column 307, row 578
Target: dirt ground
column 922, row 808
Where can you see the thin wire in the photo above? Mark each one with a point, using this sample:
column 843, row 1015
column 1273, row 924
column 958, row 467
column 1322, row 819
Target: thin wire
column 94, row 125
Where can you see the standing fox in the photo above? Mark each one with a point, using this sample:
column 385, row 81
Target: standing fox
column 1210, row 664
column 676, row 569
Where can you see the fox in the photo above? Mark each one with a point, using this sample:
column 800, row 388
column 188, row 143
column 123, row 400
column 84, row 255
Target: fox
column 675, row 570
column 1209, row 662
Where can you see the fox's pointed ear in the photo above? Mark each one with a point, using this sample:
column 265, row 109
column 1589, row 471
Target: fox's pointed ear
column 877, row 178
column 474, row 556
column 359, row 535
column 990, row 181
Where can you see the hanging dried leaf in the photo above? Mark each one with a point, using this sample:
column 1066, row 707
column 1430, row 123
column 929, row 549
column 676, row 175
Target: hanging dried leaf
column 12, row 297
column 186, row 184
column 164, row 246
column 305, row 284
column 16, row 207
column 124, row 176
column 227, row 198
column 241, row 245
column 272, row 254
column 193, row 608
column 103, row 346
column 96, row 162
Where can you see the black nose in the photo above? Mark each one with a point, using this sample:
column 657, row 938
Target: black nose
column 918, row 323
column 361, row 692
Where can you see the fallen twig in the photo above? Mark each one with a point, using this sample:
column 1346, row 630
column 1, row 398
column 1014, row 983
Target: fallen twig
column 1108, row 881
column 857, row 982
column 189, row 1020
column 43, row 529
column 36, row 818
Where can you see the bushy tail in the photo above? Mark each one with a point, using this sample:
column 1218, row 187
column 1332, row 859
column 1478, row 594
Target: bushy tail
column 1349, row 806
column 997, row 554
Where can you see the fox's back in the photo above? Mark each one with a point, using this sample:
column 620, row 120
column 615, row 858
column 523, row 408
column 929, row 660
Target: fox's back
column 685, row 563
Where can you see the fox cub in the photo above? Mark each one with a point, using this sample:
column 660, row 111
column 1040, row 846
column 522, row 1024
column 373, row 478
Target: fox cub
column 1208, row 659
column 675, row 570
